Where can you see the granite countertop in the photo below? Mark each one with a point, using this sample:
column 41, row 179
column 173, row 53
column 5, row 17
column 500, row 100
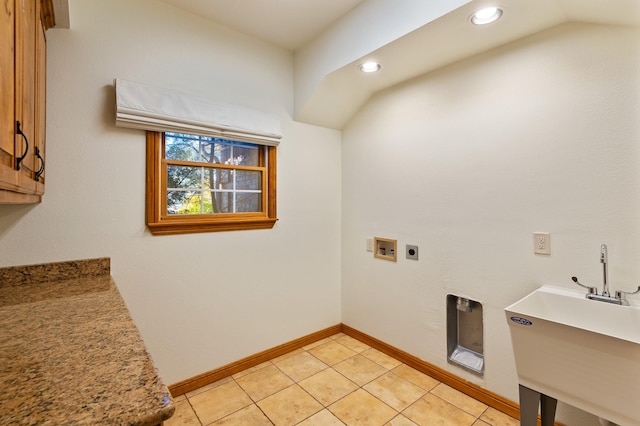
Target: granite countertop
column 69, row 351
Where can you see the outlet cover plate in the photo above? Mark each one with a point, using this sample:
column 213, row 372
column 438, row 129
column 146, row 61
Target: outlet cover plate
column 542, row 243
column 412, row 252
column 369, row 244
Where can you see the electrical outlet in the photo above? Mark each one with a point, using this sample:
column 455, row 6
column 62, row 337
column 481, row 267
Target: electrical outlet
column 412, row 252
column 370, row 244
column 541, row 243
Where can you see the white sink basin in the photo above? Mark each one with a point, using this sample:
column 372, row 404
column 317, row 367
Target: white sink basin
column 583, row 352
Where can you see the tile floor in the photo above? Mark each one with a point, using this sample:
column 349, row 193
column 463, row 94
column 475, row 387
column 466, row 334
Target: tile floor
column 336, row 381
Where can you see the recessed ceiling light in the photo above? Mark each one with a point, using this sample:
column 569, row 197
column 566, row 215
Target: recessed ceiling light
column 370, row 67
column 486, row 15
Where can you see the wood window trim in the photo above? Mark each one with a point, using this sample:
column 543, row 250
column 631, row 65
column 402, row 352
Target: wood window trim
column 159, row 223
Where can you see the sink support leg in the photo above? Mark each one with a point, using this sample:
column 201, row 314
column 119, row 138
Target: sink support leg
column 530, row 400
column 548, row 409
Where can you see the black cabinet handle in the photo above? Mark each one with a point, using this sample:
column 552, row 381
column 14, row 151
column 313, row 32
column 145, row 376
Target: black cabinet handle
column 19, row 159
column 41, row 169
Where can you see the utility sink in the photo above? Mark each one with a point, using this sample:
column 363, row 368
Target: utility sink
column 583, row 352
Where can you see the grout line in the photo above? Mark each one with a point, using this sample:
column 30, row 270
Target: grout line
column 195, row 413
column 328, row 366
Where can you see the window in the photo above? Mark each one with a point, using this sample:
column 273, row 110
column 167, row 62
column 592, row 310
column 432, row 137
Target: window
column 207, row 183
column 211, row 166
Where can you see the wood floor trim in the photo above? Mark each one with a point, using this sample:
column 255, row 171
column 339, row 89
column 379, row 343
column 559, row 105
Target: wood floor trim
column 471, row 389
column 491, row 399
column 483, row 395
column 209, row 377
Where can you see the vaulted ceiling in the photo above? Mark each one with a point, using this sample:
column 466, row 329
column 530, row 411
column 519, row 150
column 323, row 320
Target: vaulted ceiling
column 330, row 38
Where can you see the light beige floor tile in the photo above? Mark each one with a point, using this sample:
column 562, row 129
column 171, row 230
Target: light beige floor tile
column 318, row 343
column 459, row 399
column 219, row 402
column 389, row 387
column 498, row 418
column 209, row 386
column 179, row 398
column 249, row 416
column 289, row 406
column 328, row 386
column 400, row 420
column 360, row 370
column 362, row 408
column 301, row 366
column 264, row 382
column 184, row 415
column 252, row 369
column 323, row 418
column 287, row 355
column 353, row 344
column 416, row 377
column 331, row 352
column 431, row 411
column 381, row 358
column 395, row 391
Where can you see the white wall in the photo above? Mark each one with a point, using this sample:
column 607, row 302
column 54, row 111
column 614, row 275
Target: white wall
column 467, row 162
column 200, row 301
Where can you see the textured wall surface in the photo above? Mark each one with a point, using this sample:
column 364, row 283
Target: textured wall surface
column 467, row 162
column 200, row 301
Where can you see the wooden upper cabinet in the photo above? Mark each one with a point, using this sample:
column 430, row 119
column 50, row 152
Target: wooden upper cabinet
column 26, row 87
column 23, row 84
column 40, row 118
column 7, row 85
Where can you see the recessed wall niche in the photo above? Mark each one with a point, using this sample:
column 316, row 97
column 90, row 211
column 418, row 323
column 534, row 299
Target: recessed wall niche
column 385, row 248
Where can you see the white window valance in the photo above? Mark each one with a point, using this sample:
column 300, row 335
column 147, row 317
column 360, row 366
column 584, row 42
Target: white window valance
column 147, row 107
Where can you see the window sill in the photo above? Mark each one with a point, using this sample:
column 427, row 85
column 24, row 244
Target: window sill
column 187, row 227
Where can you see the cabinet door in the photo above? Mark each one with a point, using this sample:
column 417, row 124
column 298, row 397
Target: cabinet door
column 26, row 19
column 22, row 93
column 41, row 106
column 7, row 87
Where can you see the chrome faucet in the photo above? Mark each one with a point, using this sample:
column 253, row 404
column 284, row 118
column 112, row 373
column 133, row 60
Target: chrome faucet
column 605, row 273
column 592, row 292
column 622, row 295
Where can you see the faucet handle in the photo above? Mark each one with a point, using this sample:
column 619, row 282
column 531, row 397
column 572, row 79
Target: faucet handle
column 623, row 294
column 591, row 290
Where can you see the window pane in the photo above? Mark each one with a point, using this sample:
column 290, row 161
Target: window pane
column 185, row 177
column 221, row 178
column 248, row 180
column 189, row 202
column 248, row 202
column 244, row 202
column 208, row 176
column 223, row 151
column 247, row 154
column 207, row 205
column 181, row 202
column 223, row 202
column 236, row 153
column 210, row 150
column 184, row 147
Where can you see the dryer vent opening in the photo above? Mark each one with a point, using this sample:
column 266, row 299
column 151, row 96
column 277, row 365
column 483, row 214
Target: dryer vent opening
column 465, row 333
